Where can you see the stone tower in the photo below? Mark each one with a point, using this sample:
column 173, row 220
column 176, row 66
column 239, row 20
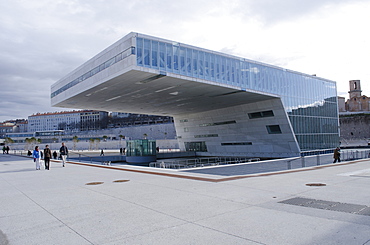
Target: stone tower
column 354, row 88
column 356, row 101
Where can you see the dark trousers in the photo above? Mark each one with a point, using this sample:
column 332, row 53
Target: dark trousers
column 336, row 159
column 47, row 162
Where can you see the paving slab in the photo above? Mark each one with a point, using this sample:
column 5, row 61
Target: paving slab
column 161, row 206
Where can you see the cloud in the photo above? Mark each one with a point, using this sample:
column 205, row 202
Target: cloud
column 271, row 12
column 43, row 40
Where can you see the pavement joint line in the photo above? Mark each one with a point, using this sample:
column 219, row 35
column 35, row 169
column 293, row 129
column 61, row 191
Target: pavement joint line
column 181, row 219
column 217, row 180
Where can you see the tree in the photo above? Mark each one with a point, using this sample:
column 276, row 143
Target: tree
column 91, row 141
column 97, row 141
column 145, row 136
column 105, row 138
column 33, row 141
column 62, row 126
column 75, row 141
column 8, row 140
column 28, row 142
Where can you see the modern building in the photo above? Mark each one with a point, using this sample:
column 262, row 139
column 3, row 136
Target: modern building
column 80, row 120
column 221, row 104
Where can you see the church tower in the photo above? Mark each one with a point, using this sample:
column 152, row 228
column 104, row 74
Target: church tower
column 354, row 89
column 356, row 101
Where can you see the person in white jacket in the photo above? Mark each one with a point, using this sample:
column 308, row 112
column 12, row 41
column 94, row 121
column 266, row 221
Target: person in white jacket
column 37, row 157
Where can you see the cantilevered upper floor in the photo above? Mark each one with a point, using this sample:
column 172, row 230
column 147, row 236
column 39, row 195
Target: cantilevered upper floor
column 149, row 75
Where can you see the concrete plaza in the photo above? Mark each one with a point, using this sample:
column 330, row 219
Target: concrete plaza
column 95, row 204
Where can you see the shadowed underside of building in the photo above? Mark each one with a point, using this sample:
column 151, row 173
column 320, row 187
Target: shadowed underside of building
column 221, row 104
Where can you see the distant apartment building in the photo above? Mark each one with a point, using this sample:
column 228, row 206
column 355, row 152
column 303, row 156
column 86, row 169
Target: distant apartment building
column 68, row 120
column 93, row 120
column 120, row 114
column 7, row 128
column 120, row 119
column 22, row 126
column 13, row 126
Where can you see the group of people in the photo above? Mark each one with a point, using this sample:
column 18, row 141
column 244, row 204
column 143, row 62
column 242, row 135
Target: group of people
column 46, row 154
column 6, row 149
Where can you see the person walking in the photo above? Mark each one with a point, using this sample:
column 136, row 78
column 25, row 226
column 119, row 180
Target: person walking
column 4, row 149
column 55, row 155
column 47, row 156
column 101, row 152
column 37, row 157
column 336, row 155
column 7, row 149
column 63, row 153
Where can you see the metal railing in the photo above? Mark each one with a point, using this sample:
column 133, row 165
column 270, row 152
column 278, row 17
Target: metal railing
column 309, row 160
column 199, row 162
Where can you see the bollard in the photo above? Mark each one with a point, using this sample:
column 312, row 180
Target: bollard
column 318, row 160
column 289, row 164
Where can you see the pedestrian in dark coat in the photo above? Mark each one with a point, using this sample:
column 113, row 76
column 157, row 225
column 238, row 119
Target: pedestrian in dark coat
column 63, row 153
column 336, row 155
column 47, row 156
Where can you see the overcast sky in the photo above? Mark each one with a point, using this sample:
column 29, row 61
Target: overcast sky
column 43, row 40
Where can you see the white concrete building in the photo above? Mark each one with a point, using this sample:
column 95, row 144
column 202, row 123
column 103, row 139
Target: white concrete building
column 221, row 104
column 66, row 120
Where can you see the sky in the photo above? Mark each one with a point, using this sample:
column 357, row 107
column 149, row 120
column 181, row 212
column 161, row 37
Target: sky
column 43, row 40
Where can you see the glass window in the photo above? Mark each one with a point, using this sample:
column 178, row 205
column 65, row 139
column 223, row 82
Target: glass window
column 196, row 146
column 162, row 52
column 182, row 60
column 146, row 52
column 110, row 62
column 176, row 58
column 206, row 66
column 212, row 66
column 169, row 56
column 195, row 63
column 155, row 54
column 101, row 67
column 118, row 57
column 139, row 51
column 200, row 63
column 218, row 71
column 273, row 129
column 188, row 62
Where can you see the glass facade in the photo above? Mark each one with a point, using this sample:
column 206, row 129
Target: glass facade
column 310, row 102
column 141, row 148
column 95, row 71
